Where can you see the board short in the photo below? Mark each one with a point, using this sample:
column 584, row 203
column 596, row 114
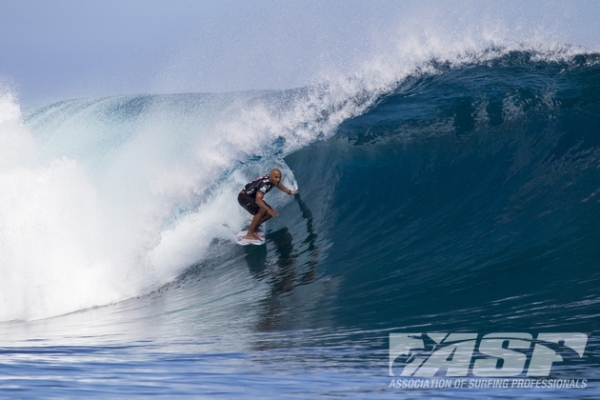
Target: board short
column 248, row 203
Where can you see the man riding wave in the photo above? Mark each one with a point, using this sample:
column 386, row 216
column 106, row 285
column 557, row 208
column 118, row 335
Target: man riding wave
column 251, row 199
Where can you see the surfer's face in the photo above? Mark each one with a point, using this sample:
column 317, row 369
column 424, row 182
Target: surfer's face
column 275, row 177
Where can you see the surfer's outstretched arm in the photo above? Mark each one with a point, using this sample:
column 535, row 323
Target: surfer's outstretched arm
column 281, row 187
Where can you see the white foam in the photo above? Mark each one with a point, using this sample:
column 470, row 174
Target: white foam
column 16, row 143
column 49, row 221
column 81, row 228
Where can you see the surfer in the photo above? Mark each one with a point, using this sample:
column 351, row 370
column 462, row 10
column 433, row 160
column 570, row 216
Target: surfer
column 251, row 199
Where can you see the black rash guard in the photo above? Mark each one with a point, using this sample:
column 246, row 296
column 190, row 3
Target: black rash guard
column 247, row 197
column 261, row 183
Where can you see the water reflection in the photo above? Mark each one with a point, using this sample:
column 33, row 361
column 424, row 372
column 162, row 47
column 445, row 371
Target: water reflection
column 289, row 266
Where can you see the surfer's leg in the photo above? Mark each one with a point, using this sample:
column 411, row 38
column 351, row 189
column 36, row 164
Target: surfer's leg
column 265, row 216
column 256, row 221
column 250, row 205
column 264, row 219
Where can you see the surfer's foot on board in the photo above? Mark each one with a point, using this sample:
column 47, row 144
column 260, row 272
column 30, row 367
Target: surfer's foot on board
column 252, row 236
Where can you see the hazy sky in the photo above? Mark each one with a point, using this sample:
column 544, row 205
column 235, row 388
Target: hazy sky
column 57, row 49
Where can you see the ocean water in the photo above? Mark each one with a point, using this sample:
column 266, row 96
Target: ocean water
column 458, row 194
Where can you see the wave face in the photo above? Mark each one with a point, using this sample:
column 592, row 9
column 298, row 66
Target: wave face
column 466, row 199
column 460, row 195
column 113, row 198
column 461, row 188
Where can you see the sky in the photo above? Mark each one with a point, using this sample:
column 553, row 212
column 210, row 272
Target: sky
column 52, row 50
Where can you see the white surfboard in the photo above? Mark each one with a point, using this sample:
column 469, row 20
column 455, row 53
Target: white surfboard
column 240, row 238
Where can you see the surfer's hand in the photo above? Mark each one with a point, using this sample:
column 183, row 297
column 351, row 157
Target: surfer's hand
column 273, row 213
column 293, row 192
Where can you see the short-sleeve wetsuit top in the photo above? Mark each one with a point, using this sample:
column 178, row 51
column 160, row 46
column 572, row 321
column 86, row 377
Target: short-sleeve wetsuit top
column 261, row 183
